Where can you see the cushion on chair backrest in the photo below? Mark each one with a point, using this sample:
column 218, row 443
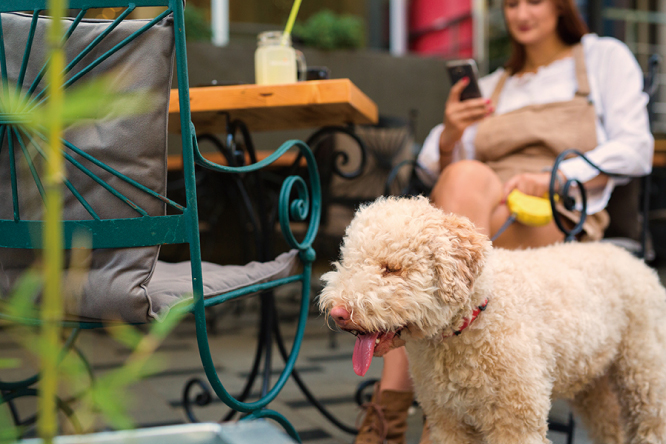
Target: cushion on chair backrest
column 115, row 287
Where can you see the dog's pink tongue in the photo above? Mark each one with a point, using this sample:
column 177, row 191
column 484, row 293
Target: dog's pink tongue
column 363, row 351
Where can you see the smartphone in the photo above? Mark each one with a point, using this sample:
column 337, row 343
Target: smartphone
column 465, row 68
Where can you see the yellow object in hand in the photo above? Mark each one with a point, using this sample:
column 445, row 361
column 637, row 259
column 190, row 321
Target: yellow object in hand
column 529, row 210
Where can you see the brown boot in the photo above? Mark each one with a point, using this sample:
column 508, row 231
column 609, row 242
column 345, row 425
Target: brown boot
column 385, row 418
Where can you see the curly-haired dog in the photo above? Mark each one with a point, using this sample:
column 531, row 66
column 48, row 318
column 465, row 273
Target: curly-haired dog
column 493, row 335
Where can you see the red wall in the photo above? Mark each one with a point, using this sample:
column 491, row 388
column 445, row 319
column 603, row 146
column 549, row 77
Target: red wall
column 441, row 27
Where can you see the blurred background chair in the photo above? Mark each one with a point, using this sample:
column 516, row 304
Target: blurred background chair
column 354, row 166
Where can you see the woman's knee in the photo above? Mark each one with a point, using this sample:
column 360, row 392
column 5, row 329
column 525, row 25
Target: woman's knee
column 465, row 177
column 465, row 167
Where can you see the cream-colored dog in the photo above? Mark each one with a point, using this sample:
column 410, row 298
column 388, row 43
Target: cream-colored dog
column 493, row 335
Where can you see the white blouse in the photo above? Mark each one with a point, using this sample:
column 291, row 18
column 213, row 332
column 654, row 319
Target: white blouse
column 625, row 142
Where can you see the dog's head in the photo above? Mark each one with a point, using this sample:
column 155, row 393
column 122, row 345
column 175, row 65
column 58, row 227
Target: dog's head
column 407, row 270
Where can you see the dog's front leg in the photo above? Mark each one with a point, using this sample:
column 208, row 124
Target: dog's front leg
column 517, row 420
column 502, row 426
column 445, row 428
column 506, row 434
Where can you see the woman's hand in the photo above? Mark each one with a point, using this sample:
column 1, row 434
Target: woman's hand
column 458, row 115
column 534, row 184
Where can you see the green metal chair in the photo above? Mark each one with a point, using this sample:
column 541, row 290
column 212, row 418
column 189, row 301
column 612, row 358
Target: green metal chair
column 116, row 186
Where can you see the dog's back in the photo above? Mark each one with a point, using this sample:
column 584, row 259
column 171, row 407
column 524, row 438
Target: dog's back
column 589, row 301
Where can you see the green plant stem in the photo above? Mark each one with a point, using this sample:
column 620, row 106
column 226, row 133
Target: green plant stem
column 52, row 306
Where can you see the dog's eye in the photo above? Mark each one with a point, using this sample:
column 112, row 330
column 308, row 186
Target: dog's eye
column 391, row 270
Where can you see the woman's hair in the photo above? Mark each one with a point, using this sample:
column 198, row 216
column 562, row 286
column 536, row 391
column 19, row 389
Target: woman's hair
column 570, row 27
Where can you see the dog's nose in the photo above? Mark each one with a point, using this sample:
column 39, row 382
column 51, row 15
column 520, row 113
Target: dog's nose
column 340, row 314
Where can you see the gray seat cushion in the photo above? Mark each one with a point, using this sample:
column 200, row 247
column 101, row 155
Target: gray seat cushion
column 172, row 282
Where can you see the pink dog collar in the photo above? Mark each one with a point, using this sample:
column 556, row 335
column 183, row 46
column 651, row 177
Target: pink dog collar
column 477, row 311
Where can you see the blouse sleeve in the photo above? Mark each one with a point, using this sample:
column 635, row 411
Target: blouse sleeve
column 428, row 157
column 628, row 146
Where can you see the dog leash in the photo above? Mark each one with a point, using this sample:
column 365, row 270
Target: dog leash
column 507, row 224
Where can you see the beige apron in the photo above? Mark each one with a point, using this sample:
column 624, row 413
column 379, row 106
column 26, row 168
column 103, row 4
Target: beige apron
column 528, row 140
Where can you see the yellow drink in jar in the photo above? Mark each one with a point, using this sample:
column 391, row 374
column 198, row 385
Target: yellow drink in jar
column 274, row 61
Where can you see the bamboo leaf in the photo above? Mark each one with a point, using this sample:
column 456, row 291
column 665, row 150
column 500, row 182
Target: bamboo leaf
column 22, row 301
column 126, row 335
column 176, row 314
column 133, row 371
column 75, row 373
column 101, row 98
column 10, row 363
column 113, row 404
column 8, row 432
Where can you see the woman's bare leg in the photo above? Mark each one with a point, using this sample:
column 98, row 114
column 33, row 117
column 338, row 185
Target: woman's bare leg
column 395, row 373
column 470, row 188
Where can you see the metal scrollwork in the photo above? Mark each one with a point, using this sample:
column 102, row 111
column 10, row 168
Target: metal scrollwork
column 300, row 199
column 202, row 399
column 568, row 198
column 293, row 210
column 9, row 397
column 338, row 159
column 12, row 390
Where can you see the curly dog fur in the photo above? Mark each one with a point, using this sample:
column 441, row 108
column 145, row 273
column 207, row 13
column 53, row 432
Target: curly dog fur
column 584, row 322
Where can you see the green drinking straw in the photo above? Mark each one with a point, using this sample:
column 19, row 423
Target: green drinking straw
column 290, row 22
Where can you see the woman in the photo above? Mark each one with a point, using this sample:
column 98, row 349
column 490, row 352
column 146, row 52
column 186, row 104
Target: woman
column 561, row 89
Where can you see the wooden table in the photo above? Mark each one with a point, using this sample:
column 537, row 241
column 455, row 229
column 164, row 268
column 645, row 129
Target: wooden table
column 299, row 105
column 310, row 104
column 175, row 161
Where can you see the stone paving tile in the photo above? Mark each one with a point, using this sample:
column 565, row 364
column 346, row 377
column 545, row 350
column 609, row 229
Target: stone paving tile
column 326, row 371
column 324, row 365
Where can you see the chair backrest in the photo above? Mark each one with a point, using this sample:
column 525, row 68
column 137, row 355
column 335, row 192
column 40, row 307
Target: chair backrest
column 354, row 166
column 116, row 168
column 387, row 143
column 629, row 204
column 625, row 212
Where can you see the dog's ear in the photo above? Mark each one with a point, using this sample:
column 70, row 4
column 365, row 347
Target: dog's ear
column 459, row 253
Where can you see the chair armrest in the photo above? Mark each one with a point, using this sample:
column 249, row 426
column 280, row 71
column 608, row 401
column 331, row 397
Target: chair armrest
column 289, row 209
column 569, row 200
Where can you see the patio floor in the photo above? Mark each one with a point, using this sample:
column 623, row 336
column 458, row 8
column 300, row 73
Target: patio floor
column 324, row 364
